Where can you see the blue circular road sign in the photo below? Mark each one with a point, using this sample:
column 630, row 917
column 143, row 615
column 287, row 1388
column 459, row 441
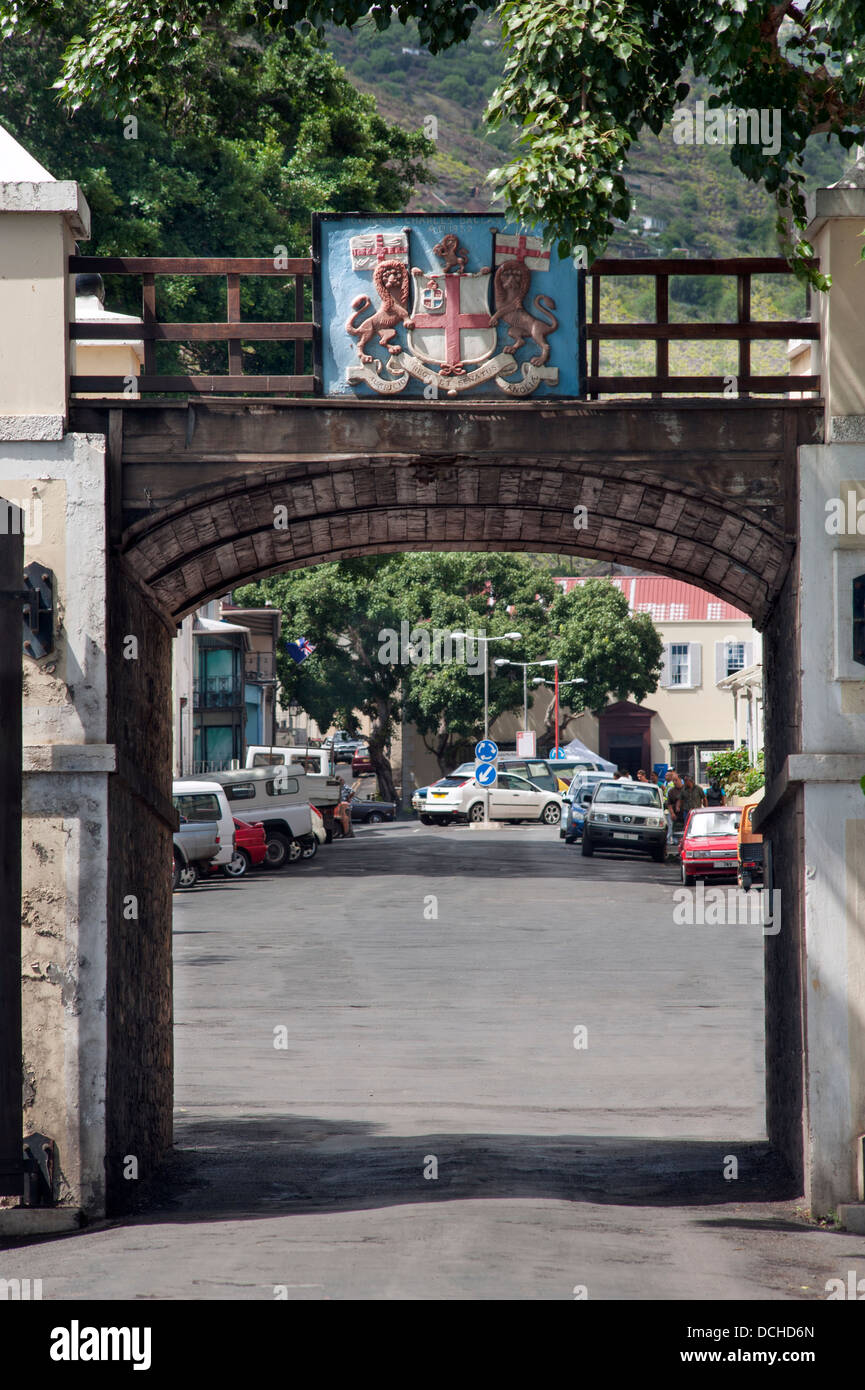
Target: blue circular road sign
column 556, row 753
column 486, row 774
column 486, row 751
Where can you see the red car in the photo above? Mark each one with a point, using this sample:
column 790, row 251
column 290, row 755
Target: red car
column 710, row 842
column 360, row 763
column 250, row 848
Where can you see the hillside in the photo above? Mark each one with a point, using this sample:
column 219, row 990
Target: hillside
column 687, row 200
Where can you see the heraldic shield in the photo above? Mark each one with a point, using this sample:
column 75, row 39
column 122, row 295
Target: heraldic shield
column 453, row 304
column 451, row 320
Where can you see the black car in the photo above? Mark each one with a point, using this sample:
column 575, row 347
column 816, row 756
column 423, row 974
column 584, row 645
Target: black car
column 372, row 812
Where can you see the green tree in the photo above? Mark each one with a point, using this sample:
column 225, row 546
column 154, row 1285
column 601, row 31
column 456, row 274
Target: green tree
column 341, row 608
column 451, row 593
column 590, row 631
column 233, row 145
column 582, row 77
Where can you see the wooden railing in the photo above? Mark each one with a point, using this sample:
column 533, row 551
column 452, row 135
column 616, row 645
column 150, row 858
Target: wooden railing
column 744, row 331
column 233, row 332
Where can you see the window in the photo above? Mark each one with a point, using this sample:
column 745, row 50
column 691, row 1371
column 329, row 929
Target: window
column 731, row 656
column 241, row 791
column 268, row 760
column 199, row 806
column 705, row 823
column 286, row 786
column 680, row 664
column 734, row 657
column 620, row 794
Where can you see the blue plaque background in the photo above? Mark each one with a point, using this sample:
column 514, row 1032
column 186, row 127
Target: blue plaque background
column 337, row 285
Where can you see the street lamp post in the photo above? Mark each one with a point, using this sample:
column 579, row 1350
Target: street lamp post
column 539, row 680
column 506, row 661
column 505, row 637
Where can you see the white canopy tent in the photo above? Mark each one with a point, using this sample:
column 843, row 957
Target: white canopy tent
column 577, row 749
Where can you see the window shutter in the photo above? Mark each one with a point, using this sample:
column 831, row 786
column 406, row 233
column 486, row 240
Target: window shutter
column 749, row 653
column 720, row 661
column 665, row 667
column 695, row 657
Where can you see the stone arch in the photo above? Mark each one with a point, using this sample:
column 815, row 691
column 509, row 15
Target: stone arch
column 215, row 538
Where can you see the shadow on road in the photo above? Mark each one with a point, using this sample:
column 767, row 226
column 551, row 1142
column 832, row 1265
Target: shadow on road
column 261, row 1167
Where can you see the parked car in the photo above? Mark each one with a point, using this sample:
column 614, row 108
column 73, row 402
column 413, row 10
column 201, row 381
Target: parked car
column 512, row 798
column 318, row 783
column 749, row 849
column 361, row 763
column 206, row 803
column 624, row 815
column 342, row 746
column 372, row 812
column 708, row 848
column 530, row 769
column 195, row 844
column 274, row 796
column 573, row 810
column 250, row 848
column 434, row 806
column 318, row 827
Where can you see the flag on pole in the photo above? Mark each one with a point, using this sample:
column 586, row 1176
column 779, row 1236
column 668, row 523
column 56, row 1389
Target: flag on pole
column 530, row 250
column 372, row 247
column 299, row 650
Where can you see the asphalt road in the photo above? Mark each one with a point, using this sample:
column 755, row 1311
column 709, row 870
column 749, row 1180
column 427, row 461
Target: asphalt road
column 379, row 1093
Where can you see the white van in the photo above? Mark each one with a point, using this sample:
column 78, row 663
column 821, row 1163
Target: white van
column 312, row 760
column 206, row 802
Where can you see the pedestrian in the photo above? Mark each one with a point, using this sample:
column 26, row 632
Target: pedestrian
column 692, row 797
column 653, row 778
column 715, row 795
column 641, row 775
column 674, row 804
column 342, row 813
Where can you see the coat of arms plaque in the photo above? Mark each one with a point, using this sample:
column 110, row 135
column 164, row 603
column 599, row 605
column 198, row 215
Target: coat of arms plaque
column 454, row 305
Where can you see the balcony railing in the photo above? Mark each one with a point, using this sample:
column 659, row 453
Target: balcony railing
column 233, row 331
column 745, row 330
column 259, row 666
column 218, row 692
column 741, row 331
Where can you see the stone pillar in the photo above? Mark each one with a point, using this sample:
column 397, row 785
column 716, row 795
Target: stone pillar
column 816, row 792
column 59, row 479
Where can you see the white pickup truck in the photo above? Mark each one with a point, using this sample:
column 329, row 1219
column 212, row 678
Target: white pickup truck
column 313, row 769
column 274, row 797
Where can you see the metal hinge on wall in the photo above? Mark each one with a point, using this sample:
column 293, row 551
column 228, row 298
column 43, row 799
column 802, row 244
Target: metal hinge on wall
column 37, row 599
column 40, row 1154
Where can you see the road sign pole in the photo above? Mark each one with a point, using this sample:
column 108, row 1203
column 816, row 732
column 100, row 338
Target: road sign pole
column 486, row 689
column 486, row 753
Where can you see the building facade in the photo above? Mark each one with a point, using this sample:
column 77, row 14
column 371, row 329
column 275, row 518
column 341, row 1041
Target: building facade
column 689, row 717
